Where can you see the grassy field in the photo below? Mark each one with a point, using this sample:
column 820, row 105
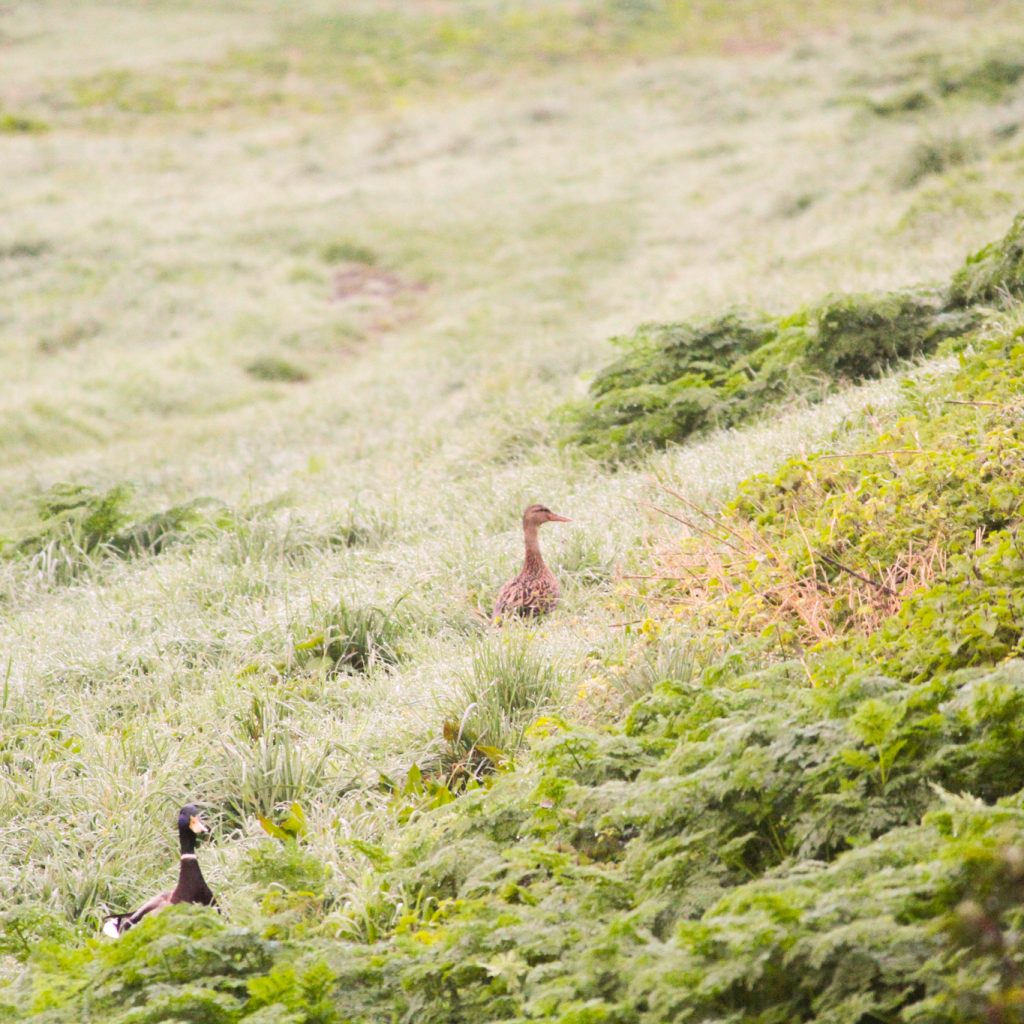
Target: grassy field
column 325, row 273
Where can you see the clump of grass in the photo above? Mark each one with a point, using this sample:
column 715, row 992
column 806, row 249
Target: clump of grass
column 790, row 207
column 507, row 687
column 353, row 638
column 21, row 124
column 269, row 768
column 24, row 248
column 904, row 101
column 128, row 91
column 670, row 659
column 68, row 336
column 342, row 250
column 158, row 531
column 268, row 533
column 75, row 523
column 276, row 369
column 360, row 526
column 932, row 156
column 274, row 771
column 988, row 79
column 585, row 558
column 985, row 79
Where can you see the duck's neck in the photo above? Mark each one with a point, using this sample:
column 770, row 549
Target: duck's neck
column 534, row 561
column 187, row 839
column 189, row 875
column 190, row 880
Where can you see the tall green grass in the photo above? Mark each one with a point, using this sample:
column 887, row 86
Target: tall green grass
column 510, row 684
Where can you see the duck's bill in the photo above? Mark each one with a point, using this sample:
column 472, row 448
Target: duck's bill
column 196, row 824
column 555, row 518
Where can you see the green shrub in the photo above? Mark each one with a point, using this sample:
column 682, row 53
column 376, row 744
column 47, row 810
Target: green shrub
column 26, row 248
column 76, row 521
column 662, row 353
column 860, row 336
column 988, row 79
column 994, row 273
column 985, row 79
column 673, row 380
column 987, row 925
column 925, row 516
column 679, row 379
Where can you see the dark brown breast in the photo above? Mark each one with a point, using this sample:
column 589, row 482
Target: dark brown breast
column 191, row 887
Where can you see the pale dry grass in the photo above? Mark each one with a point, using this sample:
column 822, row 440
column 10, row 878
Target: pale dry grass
column 715, row 557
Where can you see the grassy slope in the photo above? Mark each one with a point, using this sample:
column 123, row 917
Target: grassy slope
column 161, row 236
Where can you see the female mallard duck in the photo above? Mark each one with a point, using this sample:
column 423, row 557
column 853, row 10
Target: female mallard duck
column 191, row 887
column 535, row 590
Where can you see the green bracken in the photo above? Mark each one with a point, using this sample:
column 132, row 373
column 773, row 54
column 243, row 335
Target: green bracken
column 994, row 273
column 78, row 526
column 679, row 379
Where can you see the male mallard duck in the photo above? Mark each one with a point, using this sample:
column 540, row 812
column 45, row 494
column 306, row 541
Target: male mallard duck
column 535, row 590
column 191, row 887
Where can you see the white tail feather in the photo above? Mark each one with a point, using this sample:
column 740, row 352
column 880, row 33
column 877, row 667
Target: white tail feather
column 110, row 928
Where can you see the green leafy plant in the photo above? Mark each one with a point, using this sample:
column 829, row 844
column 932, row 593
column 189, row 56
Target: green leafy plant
column 344, row 251
column 875, row 724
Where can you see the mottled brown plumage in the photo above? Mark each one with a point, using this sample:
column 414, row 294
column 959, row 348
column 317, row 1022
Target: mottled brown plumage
column 191, row 887
column 535, row 590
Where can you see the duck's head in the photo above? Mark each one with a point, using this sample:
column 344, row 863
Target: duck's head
column 189, row 821
column 537, row 514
